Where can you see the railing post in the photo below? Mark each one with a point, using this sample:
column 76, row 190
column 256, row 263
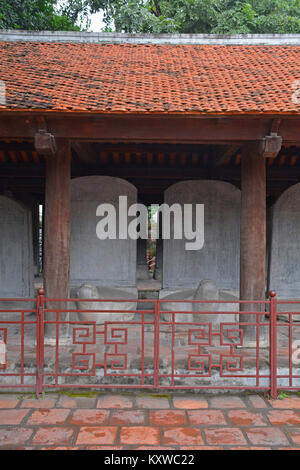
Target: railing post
column 40, row 343
column 273, row 346
column 156, row 343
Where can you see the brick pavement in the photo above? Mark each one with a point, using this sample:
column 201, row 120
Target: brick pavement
column 143, row 421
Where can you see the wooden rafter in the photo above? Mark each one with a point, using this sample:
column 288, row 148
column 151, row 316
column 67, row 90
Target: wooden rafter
column 85, row 152
column 226, row 155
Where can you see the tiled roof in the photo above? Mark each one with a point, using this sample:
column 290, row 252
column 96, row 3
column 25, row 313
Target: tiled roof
column 131, row 78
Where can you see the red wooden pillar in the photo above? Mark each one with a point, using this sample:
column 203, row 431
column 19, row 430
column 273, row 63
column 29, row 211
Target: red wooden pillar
column 253, row 238
column 57, row 233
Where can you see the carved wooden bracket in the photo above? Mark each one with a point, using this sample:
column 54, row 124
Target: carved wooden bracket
column 45, row 143
column 270, row 145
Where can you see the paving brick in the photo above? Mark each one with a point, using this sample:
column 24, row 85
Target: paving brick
column 286, row 403
column 154, row 448
column 76, row 402
column 14, row 436
column 182, row 436
column 44, row 416
column 89, row 417
column 294, row 435
column 224, row 436
column 190, row 403
column 60, row 448
column 58, row 436
column 227, row 402
column 246, row 418
column 288, row 448
column 269, row 436
column 257, row 401
column 250, row 448
column 206, row 417
column 114, row 401
column 283, row 417
column 19, row 448
column 200, row 448
column 34, row 403
column 127, row 417
column 104, row 448
column 99, row 419
column 152, row 402
column 139, row 435
column 8, row 401
column 169, row 417
column 99, row 435
column 12, row 416
column 67, row 402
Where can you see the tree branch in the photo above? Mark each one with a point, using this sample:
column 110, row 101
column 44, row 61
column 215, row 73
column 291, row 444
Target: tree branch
column 157, row 11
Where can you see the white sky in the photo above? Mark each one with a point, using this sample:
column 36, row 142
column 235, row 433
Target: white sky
column 96, row 19
column 96, row 22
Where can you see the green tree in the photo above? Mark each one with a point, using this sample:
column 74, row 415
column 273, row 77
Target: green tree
column 34, row 15
column 156, row 16
column 258, row 17
column 198, row 16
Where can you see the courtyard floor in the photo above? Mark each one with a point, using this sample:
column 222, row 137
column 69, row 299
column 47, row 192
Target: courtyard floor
column 141, row 421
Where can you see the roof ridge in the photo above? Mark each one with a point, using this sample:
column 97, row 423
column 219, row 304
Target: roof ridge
column 12, row 35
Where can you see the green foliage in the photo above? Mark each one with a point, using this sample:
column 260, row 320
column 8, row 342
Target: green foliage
column 199, row 16
column 75, row 394
column 34, row 15
column 156, row 16
column 282, row 395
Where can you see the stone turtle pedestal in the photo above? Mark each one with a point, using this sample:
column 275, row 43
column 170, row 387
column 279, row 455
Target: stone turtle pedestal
column 100, row 294
column 206, row 290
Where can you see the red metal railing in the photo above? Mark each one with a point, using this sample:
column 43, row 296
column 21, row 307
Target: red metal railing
column 18, row 336
column 57, row 345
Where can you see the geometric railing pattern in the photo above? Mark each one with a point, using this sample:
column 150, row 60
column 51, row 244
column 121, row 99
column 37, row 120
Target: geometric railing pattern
column 49, row 343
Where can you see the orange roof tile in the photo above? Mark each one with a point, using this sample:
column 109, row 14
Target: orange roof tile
column 135, row 78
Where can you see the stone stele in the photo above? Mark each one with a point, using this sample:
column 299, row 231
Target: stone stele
column 218, row 260
column 16, row 252
column 98, row 262
column 285, row 250
column 101, row 269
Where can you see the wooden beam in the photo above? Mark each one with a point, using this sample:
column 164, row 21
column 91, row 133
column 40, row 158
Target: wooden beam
column 149, row 128
column 16, row 146
column 2, row 157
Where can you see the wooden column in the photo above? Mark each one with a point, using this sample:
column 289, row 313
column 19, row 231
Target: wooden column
column 253, row 237
column 57, row 232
